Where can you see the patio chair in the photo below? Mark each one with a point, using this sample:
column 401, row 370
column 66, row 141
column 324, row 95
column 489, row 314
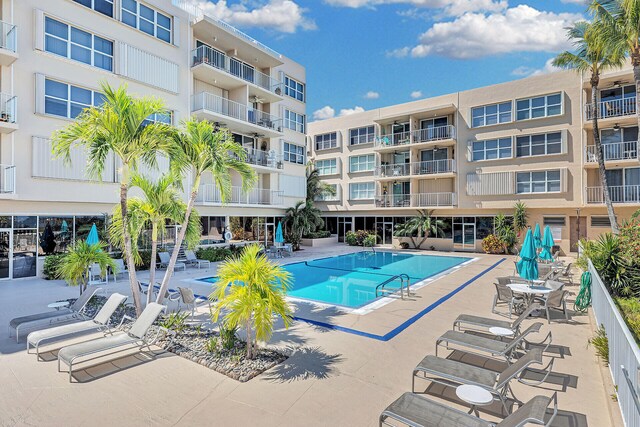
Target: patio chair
column 452, row 373
column 463, row 321
column 418, row 411
column 556, row 300
column 192, row 301
column 504, row 295
column 135, row 336
column 193, row 259
column 553, row 284
column 170, row 294
column 74, row 312
column 496, row 348
column 566, row 274
column 100, row 323
column 121, row 268
column 165, row 258
column 96, row 277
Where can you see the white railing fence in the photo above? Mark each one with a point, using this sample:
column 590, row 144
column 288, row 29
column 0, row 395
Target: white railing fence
column 434, row 134
column 618, row 194
column 269, row 159
column 434, row 199
column 624, row 354
column 8, row 36
column 401, row 169
column 429, row 167
column 613, row 108
column 614, row 151
column 210, row 194
column 8, row 108
column 394, row 139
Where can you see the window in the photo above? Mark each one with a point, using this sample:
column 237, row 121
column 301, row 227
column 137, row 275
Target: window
column 146, row 19
column 484, row 226
column 293, row 88
column 328, row 197
column 364, row 163
column 294, row 121
column 362, row 135
column 541, row 106
column 362, row 190
column 293, row 153
column 538, row 182
column 539, row 145
column 327, row 141
column 556, row 224
column 165, row 118
column 73, row 43
column 327, row 167
column 103, row 6
column 66, row 100
column 491, row 149
column 600, row 221
column 491, row 114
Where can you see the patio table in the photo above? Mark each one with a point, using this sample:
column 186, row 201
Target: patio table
column 529, row 292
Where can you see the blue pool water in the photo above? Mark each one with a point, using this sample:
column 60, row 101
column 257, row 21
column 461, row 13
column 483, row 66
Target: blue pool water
column 351, row 280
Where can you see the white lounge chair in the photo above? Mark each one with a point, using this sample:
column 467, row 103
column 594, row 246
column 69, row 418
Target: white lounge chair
column 74, row 312
column 193, row 259
column 165, row 258
column 100, row 323
column 188, row 298
column 121, row 268
column 135, row 336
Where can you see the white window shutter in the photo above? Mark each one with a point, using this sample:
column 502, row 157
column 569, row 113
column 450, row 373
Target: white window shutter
column 39, row 29
column 564, row 175
column 281, row 76
column 120, row 56
column 39, row 84
column 469, row 151
column 564, row 140
column 176, row 31
column 339, row 138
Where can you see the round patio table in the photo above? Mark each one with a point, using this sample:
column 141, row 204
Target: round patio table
column 501, row 332
column 476, row 396
column 529, row 292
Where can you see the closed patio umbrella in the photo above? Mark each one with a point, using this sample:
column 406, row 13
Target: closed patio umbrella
column 547, row 244
column 537, row 237
column 528, row 266
column 279, row 237
column 92, row 238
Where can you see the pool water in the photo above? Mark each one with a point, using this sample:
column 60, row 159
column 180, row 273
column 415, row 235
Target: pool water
column 351, row 280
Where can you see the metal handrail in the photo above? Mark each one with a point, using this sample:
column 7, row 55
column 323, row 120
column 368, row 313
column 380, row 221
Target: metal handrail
column 402, row 277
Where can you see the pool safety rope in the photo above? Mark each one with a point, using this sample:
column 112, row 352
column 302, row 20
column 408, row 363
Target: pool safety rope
column 583, row 300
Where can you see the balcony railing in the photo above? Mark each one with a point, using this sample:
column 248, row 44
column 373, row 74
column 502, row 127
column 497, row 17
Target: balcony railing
column 8, row 108
column 614, row 151
column 8, row 36
column 434, row 134
column 394, row 139
column 213, row 58
column 210, row 194
column 393, row 201
column 415, row 200
column 267, row 159
column 7, row 178
column 395, row 170
column 618, row 194
column 226, row 107
column 613, row 108
column 434, row 167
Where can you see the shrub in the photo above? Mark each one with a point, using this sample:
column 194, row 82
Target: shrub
column 321, row 234
column 404, row 245
column 175, row 321
column 350, row 238
column 212, row 345
column 51, row 265
column 492, row 244
column 357, row 238
column 601, row 343
column 214, row 254
column 228, row 336
column 294, row 239
column 370, row 240
column 630, row 309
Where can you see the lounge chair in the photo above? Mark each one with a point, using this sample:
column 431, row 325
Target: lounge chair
column 471, row 322
column 165, row 258
column 100, row 323
column 188, row 298
column 121, row 268
column 453, row 373
column 74, row 312
column 135, row 336
column 496, row 348
column 417, row 411
column 193, row 259
column 566, row 274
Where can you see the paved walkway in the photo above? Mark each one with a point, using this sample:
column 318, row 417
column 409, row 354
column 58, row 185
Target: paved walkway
column 332, row 378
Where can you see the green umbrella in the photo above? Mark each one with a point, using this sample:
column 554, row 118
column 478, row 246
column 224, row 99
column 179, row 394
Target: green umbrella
column 528, row 266
column 537, row 237
column 547, row 244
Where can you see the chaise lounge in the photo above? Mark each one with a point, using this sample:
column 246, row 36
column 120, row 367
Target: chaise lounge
column 472, row 322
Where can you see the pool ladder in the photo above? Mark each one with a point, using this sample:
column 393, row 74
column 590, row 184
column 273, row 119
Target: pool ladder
column 404, row 282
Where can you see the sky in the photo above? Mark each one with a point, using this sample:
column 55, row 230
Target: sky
column 364, row 54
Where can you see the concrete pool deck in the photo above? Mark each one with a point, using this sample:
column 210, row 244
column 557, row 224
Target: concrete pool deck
column 332, row 378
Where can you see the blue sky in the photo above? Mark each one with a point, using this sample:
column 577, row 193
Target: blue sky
column 372, row 53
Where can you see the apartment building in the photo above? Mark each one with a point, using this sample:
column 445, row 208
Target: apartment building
column 473, row 154
column 53, row 56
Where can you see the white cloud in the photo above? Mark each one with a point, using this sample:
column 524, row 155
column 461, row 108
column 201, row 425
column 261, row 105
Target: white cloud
column 371, row 95
column 448, row 7
column 285, row 16
column 416, row 94
column 474, row 35
column 349, row 111
column 399, row 53
column 529, row 71
column 324, row 113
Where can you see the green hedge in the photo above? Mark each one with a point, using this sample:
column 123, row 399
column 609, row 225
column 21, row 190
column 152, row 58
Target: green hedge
column 218, row 254
column 318, row 235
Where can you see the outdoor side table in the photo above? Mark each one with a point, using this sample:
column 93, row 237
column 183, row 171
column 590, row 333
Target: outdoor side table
column 59, row 305
column 501, row 332
column 476, row 396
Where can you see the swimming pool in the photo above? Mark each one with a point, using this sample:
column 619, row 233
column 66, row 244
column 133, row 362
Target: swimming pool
column 351, row 280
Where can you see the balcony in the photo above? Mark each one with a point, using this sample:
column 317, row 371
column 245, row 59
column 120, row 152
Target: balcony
column 393, row 171
column 237, row 117
column 437, row 134
column 611, row 109
column 7, row 179
column 434, row 167
column 8, row 110
column 210, row 65
column 442, row 135
column 618, row 194
column 421, row 200
column 613, row 152
column 8, row 43
column 393, row 140
column 209, row 194
column 267, row 160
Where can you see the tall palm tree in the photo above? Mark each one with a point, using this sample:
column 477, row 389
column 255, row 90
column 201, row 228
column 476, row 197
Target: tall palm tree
column 303, row 218
column 315, row 186
column 421, row 225
column 75, row 263
column 118, row 126
column 202, row 149
column 251, row 290
column 161, row 204
column 593, row 54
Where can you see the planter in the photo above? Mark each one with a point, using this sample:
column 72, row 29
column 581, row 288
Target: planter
column 317, row 243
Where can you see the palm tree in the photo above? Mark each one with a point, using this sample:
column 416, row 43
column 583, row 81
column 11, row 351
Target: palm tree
column 118, row 126
column 421, row 225
column 251, row 290
column 594, row 54
column 315, row 186
column 202, row 149
column 303, row 218
column 161, row 204
column 75, row 263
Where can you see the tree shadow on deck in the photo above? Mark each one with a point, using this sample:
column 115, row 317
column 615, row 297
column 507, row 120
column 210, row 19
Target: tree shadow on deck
column 303, row 364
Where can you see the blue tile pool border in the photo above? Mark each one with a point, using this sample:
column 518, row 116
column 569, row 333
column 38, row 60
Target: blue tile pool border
column 404, row 325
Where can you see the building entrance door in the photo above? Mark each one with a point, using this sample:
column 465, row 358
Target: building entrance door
column 464, row 236
column 577, row 231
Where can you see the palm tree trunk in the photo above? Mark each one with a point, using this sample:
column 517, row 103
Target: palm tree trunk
column 249, row 341
column 600, row 156
column 131, row 266
column 152, row 266
column 179, row 240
